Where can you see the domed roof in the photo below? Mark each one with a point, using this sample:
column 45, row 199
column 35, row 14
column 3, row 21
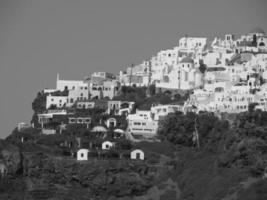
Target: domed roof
column 99, row 129
column 257, row 30
column 118, row 131
column 187, row 60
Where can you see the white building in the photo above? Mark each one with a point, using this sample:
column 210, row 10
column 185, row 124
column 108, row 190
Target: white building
column 137, row 154
column 107, row 145
column 184, row 76
column 120, row 107
column 47, row 91
column 99, row 89
column 57, row 101
column 111, row 122
column 44, row 118
column 80, row 93
column 192, row 44
column 103, row 75
column 70, row 84
column 80, row 120
column 82, row 154
column 142, row 123
column 163, row 110
column 85, row 104
column 23, row 125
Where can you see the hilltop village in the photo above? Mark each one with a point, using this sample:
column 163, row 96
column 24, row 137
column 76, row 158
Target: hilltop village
column 188, row 123
column 223, row 75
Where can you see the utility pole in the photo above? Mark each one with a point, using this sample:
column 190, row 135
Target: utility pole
column 195, row 134
column 149, row 79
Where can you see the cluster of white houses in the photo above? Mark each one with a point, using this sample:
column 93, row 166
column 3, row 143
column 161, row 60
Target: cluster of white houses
column 223, row 75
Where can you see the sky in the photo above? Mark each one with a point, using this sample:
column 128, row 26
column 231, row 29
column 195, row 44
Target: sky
column 40, row 38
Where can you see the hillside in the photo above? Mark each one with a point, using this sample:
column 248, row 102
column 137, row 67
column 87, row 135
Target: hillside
column 227, row 166
column 229, row 163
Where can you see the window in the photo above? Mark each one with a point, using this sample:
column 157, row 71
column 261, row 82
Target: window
column 71, row 100
column 52, row 99
column 82, row 155
column 73, row 87
column 66, row 87
column 87, row 120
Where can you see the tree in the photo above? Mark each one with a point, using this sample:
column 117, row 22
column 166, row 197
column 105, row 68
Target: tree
column 254, row 41
column 202, row 66
column 151, row 90
column 39, row 103
column 177, row 128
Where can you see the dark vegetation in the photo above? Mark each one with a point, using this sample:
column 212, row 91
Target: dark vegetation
column 231, row 150
column 229, row 163
column 145, row 97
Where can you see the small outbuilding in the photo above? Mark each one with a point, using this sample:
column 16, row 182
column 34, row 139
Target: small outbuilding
column 137, row 154
column 82, row 154
column 107, row 145
column 111, row 122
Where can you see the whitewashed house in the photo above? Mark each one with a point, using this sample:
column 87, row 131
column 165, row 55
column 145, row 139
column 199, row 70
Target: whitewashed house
column 57, row 101
column 163, row 110
column 137, row 154
column 107, row 145
column 111, row 122
column 82, row 154
column 70, row 84
column 142, row 123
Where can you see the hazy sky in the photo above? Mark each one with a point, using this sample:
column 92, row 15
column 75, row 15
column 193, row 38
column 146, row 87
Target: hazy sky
column 40, row 38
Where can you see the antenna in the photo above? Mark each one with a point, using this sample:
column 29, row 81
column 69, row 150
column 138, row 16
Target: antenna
column 195, row 134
